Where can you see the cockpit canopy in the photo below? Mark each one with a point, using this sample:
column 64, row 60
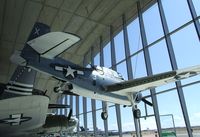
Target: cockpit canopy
column 107, row 71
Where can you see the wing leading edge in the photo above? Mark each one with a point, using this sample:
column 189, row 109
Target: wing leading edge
column 153, row 81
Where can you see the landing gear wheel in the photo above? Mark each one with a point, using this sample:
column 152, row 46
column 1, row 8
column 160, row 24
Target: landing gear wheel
column 137, row 113
column 104, row 115
column 56, row 89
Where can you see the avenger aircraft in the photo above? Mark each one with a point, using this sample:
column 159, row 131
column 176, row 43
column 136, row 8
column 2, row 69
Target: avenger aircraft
column 24, row 110
column 41, row 54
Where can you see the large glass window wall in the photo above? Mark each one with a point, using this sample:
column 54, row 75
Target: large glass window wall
column 173, row 114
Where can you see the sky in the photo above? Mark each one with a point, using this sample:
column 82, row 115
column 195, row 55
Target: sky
column 186, row 48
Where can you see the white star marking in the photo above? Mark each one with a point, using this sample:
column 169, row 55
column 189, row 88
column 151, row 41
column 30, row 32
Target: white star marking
column 37, row 31
column 70, row 71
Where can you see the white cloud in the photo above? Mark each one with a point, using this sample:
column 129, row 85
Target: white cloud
column 197, row 114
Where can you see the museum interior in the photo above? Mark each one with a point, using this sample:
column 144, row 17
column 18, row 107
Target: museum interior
column 136, row 38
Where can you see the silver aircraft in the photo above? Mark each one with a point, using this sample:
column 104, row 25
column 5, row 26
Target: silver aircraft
column 24, row 110
column 41, row 54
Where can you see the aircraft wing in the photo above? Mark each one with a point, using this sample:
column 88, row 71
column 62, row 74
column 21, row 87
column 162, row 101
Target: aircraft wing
column 52, row 44
column 153, row 81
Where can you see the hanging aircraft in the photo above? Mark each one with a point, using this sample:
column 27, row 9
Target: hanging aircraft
column 23, row 109
column 41, row 54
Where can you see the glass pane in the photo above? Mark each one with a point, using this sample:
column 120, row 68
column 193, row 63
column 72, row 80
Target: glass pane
column 196, row 5
column 127, row 119
column 177, row 13
column 90, row 122
column 152, row 24
column 186, row 47
column 97, row 59
column 121, row 68
column 134, row 36
column 159, row 57
column 89, row 105
column 119, row 46
column 168, row 104
column 80, row 105
column 81, row 122
column 107, row 55
column 112, row 119
column 192, row 95
column 63, row 102
column 148, row 127
column 138, row 65
column 100, row 123
column 74, row 105
column 98, row 104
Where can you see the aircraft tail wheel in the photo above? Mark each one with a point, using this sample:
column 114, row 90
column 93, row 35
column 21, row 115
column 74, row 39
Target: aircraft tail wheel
column 104, row 115
column 137, row 113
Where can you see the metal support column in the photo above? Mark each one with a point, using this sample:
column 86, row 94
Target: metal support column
column 174, row 67
column 104, row 104
column 85, row 114
column 149, row 68
column 117, row 106
column 93, row 102
column 71, row 101
column 129, row 67
column 194, row 16
column 77, row 115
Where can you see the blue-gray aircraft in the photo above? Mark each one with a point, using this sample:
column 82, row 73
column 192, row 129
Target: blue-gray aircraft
column 101, row 83
column 24, row 110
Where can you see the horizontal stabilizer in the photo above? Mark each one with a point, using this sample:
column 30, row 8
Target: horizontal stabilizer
column 53, row 43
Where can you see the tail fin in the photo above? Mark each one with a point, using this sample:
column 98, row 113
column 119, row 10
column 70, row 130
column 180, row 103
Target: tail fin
column 39, row 29
column 22, row 80
column 28, row 52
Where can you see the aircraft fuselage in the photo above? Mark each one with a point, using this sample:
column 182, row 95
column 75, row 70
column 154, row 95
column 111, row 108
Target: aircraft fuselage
column 87, row 82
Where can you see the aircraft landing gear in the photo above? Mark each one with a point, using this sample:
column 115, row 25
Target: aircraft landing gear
column 104, row 115
column 137, row 113
column 56, row 89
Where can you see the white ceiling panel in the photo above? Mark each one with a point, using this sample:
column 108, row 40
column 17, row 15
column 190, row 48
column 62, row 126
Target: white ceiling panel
column 71, row 5
column 87, row 7
column 31, row 13
column 61, row 20
column 54, row 3
column 74, row 24
column 2, row 7
column 47, row 15
column 13, row 12
column 103, row 8
column 87, row 27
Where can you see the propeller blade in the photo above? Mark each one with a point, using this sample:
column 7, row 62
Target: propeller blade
column 69, row 115
column 147, row 102
column 51, row 106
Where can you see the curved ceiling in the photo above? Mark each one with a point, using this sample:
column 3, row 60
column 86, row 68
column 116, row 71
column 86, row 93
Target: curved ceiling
column 89, row 19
